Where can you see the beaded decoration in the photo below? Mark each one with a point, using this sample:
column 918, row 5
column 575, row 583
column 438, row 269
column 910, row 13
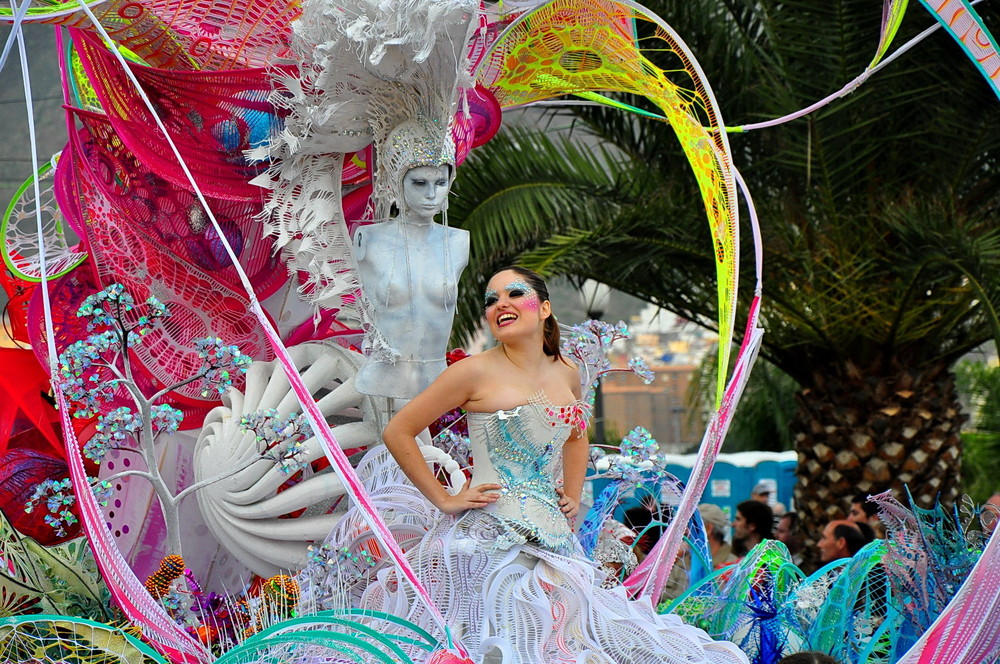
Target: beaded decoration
column 171, row 568
column 420, row 141
column 588, row 344
column 575, row 414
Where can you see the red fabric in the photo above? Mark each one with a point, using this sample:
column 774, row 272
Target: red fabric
column 21, row 470
column 141, row 234
column 66, row 294
column 212, row 118
column 207, row 35
column 23, row 406
column 124, row 200
column 448, row 657
column 18, row 295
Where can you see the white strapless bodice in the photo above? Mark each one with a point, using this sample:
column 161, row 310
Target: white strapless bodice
column 521, row 450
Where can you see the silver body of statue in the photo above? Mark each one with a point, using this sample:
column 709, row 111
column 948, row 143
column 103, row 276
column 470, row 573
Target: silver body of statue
column 409, row 268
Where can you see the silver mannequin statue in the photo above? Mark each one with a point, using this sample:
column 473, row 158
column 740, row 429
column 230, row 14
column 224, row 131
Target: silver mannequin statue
column 409, row 268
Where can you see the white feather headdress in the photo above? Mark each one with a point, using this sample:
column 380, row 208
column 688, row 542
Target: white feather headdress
column 365, row 67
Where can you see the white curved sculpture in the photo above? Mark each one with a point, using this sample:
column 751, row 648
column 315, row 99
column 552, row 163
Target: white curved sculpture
column 244, row 510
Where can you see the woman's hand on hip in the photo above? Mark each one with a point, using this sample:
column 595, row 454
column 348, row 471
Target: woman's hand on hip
column 470, row 498
column 569, row 506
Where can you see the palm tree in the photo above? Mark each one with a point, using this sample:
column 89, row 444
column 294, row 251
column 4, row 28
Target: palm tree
column 879, row 215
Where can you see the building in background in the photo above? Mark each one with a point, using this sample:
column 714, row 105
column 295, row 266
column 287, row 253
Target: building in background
column 674, row 348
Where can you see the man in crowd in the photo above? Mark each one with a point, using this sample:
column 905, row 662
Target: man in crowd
column 763, row 492
column 754, row 523
column 842, row 539
column 787, row 532
column 716, row 528
column 865, row 511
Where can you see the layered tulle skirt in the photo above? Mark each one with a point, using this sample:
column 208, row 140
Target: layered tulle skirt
column 507, row 600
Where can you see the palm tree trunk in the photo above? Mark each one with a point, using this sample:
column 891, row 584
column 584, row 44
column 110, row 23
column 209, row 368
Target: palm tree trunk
column 866, row 431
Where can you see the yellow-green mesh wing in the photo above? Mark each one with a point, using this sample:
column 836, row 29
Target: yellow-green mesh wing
column 51, row 639
column 892, row 16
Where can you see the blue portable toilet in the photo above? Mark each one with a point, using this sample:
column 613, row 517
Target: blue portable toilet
column 734, row 476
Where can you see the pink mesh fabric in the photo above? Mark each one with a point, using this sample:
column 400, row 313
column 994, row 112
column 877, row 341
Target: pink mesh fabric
column 66, row 295
column 169, row 217
column 147, row 235
column 968, row 631
column 212, row 117
column 130, row 595
column 193, row 35
column 928, row 558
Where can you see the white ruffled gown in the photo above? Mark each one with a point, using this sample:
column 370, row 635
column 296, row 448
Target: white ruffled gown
column 510, row 579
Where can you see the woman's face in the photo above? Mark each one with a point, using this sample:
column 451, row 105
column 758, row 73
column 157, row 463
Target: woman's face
column 512, row 304
column 425, row 190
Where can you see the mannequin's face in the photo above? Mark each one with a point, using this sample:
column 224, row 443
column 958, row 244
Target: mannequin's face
column 425, row 190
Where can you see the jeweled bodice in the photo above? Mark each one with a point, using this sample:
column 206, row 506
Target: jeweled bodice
column 521, row 450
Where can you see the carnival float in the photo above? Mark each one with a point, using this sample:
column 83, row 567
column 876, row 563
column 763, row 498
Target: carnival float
column 222, row 294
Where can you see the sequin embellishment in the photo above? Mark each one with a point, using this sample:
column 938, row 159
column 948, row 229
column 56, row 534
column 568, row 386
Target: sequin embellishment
column 575, row 414
column 524, row 447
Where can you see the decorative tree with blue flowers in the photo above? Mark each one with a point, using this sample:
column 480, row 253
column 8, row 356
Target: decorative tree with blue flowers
column 96, row 377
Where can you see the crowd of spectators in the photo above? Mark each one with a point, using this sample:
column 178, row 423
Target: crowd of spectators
column 759, row 518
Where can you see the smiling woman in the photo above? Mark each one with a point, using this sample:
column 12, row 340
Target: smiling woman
column 529, row 292
column 499, row 553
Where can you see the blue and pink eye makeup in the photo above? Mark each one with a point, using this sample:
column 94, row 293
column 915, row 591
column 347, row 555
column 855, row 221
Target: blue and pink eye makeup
column 519, row 289
column 515, row 290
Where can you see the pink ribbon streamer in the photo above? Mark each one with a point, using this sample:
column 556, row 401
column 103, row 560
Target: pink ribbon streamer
column 137, row 604
column 126, row 589
column 650, row 577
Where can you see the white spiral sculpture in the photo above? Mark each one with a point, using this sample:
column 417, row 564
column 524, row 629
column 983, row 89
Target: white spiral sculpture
column 247, row 511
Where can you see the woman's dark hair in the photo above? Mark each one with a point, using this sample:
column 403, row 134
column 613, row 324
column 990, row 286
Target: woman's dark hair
column 808, row 657
column 550, row 344
column 760, row 515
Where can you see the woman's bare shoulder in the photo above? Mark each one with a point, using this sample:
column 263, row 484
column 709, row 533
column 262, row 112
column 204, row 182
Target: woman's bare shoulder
column 473, row 367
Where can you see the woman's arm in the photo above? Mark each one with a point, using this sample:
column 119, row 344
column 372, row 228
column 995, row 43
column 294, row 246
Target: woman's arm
column 452, row 389
column 576, row 453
